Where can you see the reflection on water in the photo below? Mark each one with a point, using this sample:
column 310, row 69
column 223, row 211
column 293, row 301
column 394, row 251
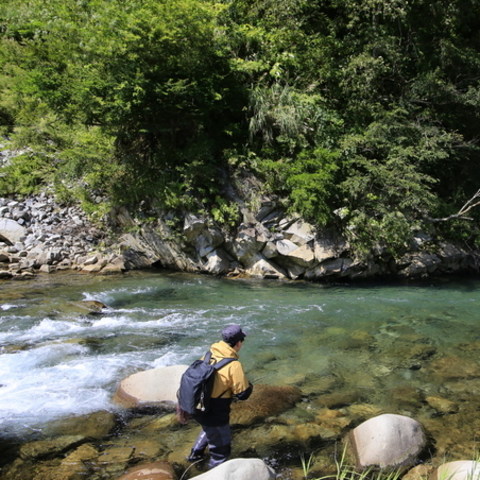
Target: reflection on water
column 376, row 345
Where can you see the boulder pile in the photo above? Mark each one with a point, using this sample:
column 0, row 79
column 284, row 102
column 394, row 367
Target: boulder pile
column 39, row 235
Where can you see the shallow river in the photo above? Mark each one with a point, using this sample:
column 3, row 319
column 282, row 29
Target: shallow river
column 56, row 362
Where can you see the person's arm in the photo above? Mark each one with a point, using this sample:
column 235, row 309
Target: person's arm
column 246, row 393
column 241, row 388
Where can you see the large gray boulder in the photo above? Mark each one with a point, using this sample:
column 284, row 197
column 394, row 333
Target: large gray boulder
column 203, row 237
column 302, row 256
column 154, row 246
column 300, row 232
column 11, row 231
column 261, row 267
column 459, row 470
column 329, row 246
column 218, row 262
column 240, row 469
column 420, row 264
column 285, row 247
column 333, row 267
column 247, row 245
column 151, row 388
column 386, row 441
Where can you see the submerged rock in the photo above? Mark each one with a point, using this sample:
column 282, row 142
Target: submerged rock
column 93, row 425
column 335, row 420
column 405, row 397
column 50, row 448
column 265, row 401
column 420, row 472
column 116, row 455
column 338, row 399
column 85, row 307
column 442, row 405
column 456, row 434
column 454, row 367
column 278, row 440
column 75, row 466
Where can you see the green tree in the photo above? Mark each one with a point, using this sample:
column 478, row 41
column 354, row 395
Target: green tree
column 150, row 74
column 364, row 108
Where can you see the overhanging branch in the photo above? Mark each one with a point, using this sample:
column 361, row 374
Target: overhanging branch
column 469, row 205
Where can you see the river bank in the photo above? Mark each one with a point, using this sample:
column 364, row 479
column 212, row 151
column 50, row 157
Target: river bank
column 38, row 235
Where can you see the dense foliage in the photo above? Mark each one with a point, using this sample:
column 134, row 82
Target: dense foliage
column 359, row 113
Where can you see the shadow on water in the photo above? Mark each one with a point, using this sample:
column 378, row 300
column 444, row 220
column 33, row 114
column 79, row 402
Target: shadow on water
column 121, row 343
column 10, row 450
column 133, row 299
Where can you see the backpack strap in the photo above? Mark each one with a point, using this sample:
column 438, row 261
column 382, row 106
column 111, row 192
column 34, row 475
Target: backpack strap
column 217, row 365
column 207, row 357
column 223, row 362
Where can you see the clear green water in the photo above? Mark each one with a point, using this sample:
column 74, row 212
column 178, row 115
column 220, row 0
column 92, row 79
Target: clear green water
column 56, row 362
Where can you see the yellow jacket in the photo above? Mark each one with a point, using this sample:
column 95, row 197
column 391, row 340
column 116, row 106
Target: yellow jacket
column 230, row 379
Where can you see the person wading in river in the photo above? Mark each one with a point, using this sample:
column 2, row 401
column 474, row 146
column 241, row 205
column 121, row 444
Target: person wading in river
column 230, row 382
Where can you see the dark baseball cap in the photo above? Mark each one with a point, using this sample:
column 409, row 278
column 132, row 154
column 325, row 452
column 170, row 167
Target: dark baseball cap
column 233, row 334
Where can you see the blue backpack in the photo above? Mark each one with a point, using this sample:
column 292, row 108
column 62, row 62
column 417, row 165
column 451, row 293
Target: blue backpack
column 196, row 386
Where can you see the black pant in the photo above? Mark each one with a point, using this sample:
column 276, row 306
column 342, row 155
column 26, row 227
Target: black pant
column 218, row 439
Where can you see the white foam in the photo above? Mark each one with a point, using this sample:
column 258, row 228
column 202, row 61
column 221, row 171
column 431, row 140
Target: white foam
column 48, row 329
column 116, row 322
column 178, row 356
column 20, row 364
column 116, row 291
column 45, row 329
column 55, row 380
column 7, row 306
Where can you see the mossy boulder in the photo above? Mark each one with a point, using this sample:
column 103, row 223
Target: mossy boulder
column 93, row 425
column 453, row 367
column 50, row 448
column 75, row 466
column 265, row 401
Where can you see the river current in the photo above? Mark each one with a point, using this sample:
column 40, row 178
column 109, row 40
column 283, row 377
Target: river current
column 56, row 361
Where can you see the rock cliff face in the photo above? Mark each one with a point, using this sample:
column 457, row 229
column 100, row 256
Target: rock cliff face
column 38, row 235
column 268, row 244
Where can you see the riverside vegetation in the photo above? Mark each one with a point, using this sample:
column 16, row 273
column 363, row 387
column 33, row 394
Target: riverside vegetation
column 360, row 117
